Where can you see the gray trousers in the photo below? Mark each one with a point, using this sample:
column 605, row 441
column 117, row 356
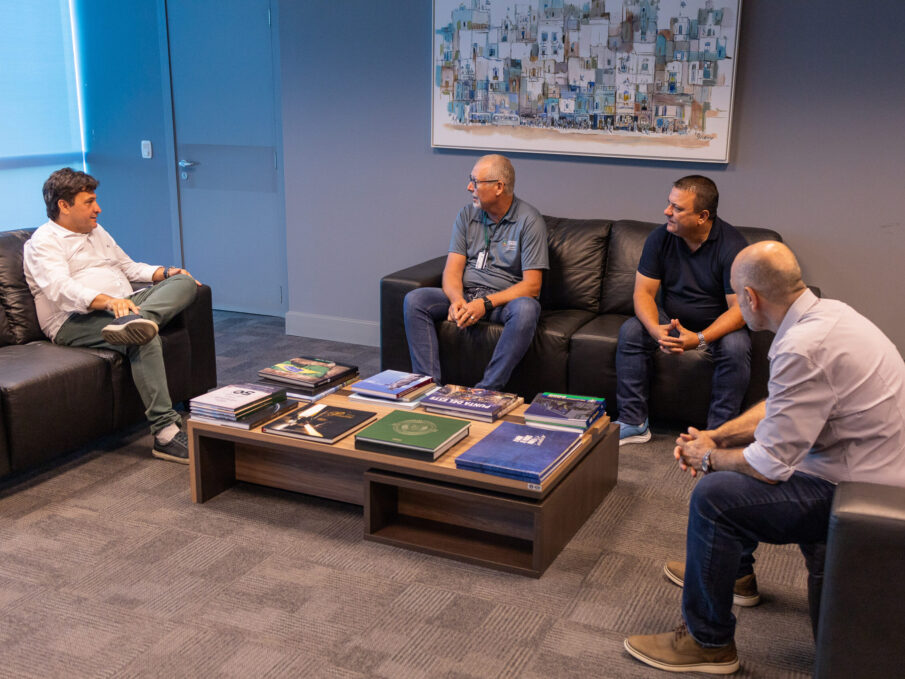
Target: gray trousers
column 159, row 303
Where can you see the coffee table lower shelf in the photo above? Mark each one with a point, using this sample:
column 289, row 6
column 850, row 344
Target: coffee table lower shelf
column 508, row 533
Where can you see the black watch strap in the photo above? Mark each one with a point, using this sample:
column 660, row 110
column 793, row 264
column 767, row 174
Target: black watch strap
column 488, row 305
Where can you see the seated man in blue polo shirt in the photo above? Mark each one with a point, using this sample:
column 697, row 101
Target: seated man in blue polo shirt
column 494, row 270
column 688, row 261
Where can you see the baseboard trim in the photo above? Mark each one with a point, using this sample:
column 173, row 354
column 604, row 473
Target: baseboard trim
column 335, row 328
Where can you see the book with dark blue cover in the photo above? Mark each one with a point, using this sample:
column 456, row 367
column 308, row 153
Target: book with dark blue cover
column 519, row 451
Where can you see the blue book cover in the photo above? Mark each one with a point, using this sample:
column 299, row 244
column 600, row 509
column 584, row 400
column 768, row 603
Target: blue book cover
column 519, row 451
column 390, row 383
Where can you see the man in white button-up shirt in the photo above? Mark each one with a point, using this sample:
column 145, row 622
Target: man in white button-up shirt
column 82, row 284
column 835, row 411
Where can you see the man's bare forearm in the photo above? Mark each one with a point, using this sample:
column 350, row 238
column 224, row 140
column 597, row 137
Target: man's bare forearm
column 740, row 431
column 729, row 321
column 647, row 312
column 733, row 460
column 452, row 286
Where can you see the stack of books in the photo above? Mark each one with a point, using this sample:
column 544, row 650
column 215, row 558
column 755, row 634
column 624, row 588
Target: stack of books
column 564, row 411
column 519, row 451
column 415, row 435
column 476, row 404
column 243, row 406
column 310, row 378
column 402, row 389
column 320, row 423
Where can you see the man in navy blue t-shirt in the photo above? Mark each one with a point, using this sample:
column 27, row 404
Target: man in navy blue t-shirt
column 688, row 261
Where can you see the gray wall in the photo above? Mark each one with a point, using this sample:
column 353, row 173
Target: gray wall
column 817, row 149
column 818, row 154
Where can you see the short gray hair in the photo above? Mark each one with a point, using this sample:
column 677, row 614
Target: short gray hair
column 502, row 170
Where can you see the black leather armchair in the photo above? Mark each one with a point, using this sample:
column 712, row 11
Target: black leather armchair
column 863, row 602
column 586, row 296
column 54, row 399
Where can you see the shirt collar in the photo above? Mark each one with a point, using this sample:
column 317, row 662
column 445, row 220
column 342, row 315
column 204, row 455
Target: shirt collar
column 715, row 231
column 799, row 308
column 63, row 232
column 508, row 217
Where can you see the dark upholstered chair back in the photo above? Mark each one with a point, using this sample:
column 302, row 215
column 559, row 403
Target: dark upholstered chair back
column 578, row 253
column 18, row 319
column 626, row 242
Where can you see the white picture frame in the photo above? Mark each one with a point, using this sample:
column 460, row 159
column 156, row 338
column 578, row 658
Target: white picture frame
column 647, row 79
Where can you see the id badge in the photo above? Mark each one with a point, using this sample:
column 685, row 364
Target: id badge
column 481, row 261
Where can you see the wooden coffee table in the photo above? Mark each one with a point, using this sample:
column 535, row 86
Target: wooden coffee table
column 426, row 506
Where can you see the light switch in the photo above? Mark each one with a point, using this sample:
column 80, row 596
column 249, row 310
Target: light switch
column 146, row 151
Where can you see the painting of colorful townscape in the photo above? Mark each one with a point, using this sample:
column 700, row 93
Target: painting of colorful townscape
column 625, row 78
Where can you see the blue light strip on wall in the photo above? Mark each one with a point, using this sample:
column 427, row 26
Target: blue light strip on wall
column 78, row 81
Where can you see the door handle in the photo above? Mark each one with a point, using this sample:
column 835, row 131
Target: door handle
column 187, row 163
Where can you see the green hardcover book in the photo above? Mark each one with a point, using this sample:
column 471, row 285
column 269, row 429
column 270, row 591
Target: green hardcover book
column 412, row 434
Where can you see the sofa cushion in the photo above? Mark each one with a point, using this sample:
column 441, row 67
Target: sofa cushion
column 6, row 334
column 52, row 396
column 15, row 297
column 626, row 242
column 5, row 464
column 578, row 251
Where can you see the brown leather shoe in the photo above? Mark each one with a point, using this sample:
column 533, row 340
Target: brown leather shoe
column 677, row 651
column 744, row 593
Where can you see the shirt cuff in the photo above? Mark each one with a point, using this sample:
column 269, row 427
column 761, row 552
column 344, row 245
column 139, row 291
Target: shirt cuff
column 147, row 273
column 766, row 464
column 86, row 300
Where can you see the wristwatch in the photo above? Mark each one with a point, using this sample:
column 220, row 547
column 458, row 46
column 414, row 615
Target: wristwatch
column 702, row 343
column 488, row 306
column 706, row 467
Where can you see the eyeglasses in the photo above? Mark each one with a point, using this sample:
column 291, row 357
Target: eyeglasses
column 472, row 180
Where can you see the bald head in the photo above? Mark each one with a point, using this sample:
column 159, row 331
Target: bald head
column 499, row 167
column 771, row 269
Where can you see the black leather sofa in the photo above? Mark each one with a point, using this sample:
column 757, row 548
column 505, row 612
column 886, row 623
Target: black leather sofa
column 863, row 602
column 54, row 399
column 586, row 296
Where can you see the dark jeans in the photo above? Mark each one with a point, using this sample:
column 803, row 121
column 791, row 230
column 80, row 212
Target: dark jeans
column 423, row 307
column 731, row 356
column 729, row 514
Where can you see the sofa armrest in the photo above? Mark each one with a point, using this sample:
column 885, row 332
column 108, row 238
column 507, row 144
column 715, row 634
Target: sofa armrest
column 198, row 319
column 394, row 353
column 863, row 601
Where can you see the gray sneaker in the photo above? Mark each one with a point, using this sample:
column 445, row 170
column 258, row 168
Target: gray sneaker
column 743, row 594
column 130, row 329
column 177, row 450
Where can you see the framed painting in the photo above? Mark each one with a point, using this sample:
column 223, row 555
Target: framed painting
column 646, row 79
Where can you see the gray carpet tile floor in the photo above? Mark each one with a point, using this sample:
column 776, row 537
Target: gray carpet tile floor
column 107, row 569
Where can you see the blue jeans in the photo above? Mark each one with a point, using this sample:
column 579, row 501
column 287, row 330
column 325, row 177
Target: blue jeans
column 729, row 514
column 731, row 356
column 423, row 307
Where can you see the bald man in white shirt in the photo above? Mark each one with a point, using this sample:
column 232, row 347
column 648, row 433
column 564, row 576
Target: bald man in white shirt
column 82, row 284
column 835, row 412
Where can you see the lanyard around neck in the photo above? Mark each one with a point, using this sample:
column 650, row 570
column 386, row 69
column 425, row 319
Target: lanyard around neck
column 486, row 233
